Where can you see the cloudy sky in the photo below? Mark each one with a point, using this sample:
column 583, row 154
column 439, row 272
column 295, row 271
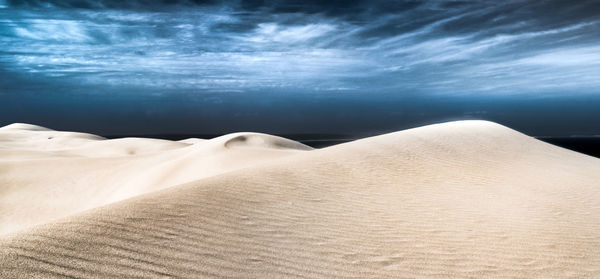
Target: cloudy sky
column 119, row 67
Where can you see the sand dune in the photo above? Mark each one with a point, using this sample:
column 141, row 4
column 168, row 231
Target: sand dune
column 47, row 174
column 467, row 199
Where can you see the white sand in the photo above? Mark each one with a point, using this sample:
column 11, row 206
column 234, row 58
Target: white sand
column 466, row 199
column 48, row 174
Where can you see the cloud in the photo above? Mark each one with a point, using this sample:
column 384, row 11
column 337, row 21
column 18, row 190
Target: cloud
column 52, row 30
column 568, row 70
column 272, row 32
column 315, row 46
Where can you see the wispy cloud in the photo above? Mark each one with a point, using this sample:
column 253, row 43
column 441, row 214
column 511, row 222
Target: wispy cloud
column 273, row 32
column 430, row 47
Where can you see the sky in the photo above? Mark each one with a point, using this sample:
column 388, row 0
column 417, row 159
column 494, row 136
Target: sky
column 116, row 67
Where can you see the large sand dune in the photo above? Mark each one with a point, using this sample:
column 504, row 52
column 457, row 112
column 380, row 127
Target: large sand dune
column 468, row 199
column 47, row 174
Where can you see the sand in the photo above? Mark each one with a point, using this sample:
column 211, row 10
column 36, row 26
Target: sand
column 466, row 199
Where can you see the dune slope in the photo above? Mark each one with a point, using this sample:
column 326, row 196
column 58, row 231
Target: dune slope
column 469, row 199
column 46, row 174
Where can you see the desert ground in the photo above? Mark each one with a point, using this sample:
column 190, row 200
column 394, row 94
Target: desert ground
column 464, row 199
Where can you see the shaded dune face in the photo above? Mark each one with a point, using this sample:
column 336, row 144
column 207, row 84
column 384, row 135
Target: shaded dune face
column 468, row 199
column 257, row 140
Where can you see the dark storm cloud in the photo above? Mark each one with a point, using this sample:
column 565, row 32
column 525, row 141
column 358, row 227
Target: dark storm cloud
column 333, row 7
column 443, row 47
column 107, row 4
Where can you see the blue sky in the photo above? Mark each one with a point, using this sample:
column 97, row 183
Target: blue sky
column 206, row 49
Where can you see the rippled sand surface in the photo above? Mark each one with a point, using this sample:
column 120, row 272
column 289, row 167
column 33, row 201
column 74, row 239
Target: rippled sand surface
column 467, row 199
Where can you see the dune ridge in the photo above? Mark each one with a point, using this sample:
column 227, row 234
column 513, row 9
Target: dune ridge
column 467, row 199
column 49, row 174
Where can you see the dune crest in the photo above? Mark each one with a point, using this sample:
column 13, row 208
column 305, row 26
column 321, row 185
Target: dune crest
column 467, row 199
column 27, row 137
column 257, row 140
column 192, row 140
column 25, row 127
